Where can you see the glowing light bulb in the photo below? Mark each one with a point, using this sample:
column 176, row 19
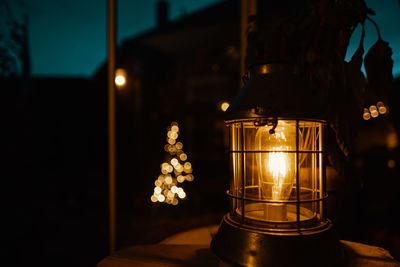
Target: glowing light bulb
column 276, row 167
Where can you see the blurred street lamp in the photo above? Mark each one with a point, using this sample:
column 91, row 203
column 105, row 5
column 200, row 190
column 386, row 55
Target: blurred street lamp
column 224, row 106
column 277, row 188
column 120, row 78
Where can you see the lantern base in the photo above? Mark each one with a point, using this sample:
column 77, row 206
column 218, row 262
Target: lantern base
column 242, row 246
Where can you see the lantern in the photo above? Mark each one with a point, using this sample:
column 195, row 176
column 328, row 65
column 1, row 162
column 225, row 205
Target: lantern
column 277, row 187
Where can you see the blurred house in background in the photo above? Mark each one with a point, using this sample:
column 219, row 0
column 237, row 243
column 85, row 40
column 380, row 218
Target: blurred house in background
column 180, row 71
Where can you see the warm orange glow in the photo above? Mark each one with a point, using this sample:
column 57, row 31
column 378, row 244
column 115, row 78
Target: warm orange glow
column 224, row 106
column 372, row 108
column 154, row 198
column 374, row 113
column 174, row 162
column 175, row 170
column 174, row 189
column 161, row 198
column 179, row 145
column 391, row 163
column 157, row 190
column 183, row 156
column 168, row 179
column 366, row 116
column 120, row 78
column 382, row 110
column 277, row 167
column 180, row 179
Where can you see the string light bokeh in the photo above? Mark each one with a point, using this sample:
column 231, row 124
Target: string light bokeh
column 375, row 110
column 174, row 171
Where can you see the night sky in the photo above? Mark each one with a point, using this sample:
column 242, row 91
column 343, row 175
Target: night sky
column 68, row 37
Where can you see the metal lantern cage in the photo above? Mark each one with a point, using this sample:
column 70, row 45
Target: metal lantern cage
column 278, row 181
column 277, row 187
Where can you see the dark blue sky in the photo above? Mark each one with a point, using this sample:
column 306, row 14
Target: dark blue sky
column 68, row 37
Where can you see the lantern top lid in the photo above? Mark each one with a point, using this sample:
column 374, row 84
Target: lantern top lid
column 275, row 90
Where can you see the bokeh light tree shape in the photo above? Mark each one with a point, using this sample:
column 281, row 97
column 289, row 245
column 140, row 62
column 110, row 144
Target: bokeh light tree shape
column 174, row 171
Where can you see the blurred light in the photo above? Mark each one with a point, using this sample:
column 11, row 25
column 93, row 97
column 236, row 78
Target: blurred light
column 180, row 179
column 175, row 128
column 174, row 189
column 182, row 194
column 187, row 165
column 366, row 116
column 190, row 177
column 183, row 156
column 374, row 113
column 158, row 183
column 168, row 180
column 154, row 198
column 174, row 162
column 171, row 141
column 179, row 145
column 157, row 190
column 380, row 104
column 382, row 110
column 175, row 202
column 392, row 140
column 169, row 169
column 174, row 123
column 391, row 163
column 179, row 167
column 161, row 198
column 120, row 78
column 224, row 106
column 171, row 195
column 372, row 108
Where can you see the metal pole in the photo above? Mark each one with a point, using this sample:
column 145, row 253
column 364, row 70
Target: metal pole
column 111, row 124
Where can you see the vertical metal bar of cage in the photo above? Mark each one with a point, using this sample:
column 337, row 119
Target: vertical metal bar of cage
column 243, row 171
column 314, row 164
column 323, row 180
column 297, row 177
column 233, row 169
column 320, row 159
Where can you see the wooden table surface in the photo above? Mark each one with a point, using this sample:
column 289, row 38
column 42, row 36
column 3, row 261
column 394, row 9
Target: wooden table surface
column 191, row 248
